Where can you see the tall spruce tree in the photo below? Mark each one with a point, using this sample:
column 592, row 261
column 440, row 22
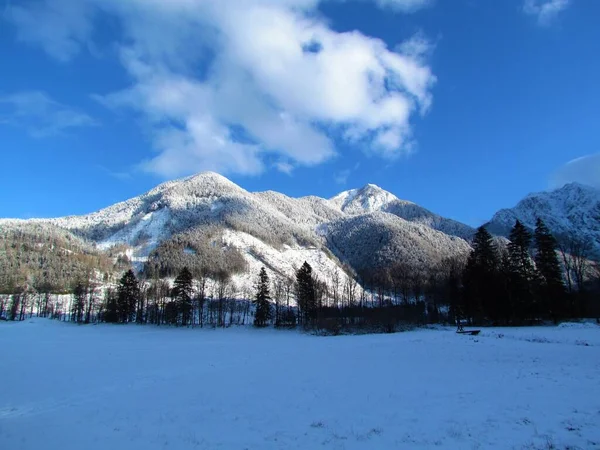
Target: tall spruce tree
column 111, row 311
column 481, row 297
column 182, row 293
column 261, row 300
column 78, row 304
column 305, row 294
column 552, row 288
column 522, row 272
column 128, row 293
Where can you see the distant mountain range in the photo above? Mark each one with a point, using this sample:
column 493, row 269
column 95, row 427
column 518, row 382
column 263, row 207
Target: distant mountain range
column 571, row 212
column 355, row 230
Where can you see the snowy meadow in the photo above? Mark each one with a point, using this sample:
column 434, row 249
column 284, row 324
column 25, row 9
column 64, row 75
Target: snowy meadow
column 129, row 387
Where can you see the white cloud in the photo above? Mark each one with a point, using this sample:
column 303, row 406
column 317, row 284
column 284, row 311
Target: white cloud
column 40, row 115
column 342, row 176
column 277, row 79
column 403, row 5
column 284, row 167
column 59, row 26
column 584, row 170
column 545, row 11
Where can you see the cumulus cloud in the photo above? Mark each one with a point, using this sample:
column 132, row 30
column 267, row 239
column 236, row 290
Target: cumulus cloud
column 584, row 170
column 545, row 11
column 226, row 85
column 40, row 115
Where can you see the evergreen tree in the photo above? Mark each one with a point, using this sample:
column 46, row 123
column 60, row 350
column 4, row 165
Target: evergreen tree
column 305, row 294
column 128, row 293
column 261, row 300
column 546, row 260
column 481, row 296
column 182, row 294
column 111, row 314
column 79, row 296
column 522, row 272
column 15, row 304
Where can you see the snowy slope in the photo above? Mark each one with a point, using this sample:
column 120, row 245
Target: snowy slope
column 280, row 263
column 380, row 239
column 573, row 210
column 179, row 206
column 527, row 388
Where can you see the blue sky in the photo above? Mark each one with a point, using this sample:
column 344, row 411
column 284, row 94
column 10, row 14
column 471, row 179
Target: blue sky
column 462, row 106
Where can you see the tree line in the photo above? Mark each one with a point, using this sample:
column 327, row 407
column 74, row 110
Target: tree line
column 531, row 279
column 528, row 279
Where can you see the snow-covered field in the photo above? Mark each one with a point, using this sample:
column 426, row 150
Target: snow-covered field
column 126, row 387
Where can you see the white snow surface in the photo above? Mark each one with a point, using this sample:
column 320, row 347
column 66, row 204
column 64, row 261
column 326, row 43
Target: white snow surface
column 69, row 387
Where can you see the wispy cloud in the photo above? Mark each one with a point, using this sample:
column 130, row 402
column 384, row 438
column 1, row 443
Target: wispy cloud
column 40, row 115
column 123, row 176
column 584, row 170
column 342, row 176
column 59, row 26
column 545, row 11
column 275, row 70
column 284, row 167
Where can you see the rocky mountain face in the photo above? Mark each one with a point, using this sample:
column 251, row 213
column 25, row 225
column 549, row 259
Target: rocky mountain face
column 571, row 212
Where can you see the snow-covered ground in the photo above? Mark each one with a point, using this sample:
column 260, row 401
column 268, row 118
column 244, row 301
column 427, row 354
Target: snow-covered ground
column 128, row 387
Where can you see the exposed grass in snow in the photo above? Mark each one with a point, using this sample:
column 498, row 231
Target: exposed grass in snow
column 128, row 387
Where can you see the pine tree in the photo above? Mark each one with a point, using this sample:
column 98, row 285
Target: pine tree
column 305, row 294
column 128, row 293
column 522, row 272
column 15, row 304
column 261, row 300
column 481, row 279
column 79, row 296
column 546, row 260
column 182, row 293
column 111, row 313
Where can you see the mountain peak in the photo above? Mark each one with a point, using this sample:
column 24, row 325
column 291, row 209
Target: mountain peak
column 202, row 184
column 576, row 184
column 567, row 192
column 570, row 211
column 207, row 175
column 367, row 199
column 579, row 188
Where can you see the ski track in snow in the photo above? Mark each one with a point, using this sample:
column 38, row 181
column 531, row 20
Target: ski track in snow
column 98, row 387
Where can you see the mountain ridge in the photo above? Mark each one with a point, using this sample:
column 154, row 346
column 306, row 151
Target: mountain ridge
column 206, row 216
column 266, row 228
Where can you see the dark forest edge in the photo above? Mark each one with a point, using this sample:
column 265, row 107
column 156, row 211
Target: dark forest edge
column 530, row 280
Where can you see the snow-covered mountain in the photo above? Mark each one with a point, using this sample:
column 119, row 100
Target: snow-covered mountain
column 271, row 229
column 572, row 211
column 376, row 239
column 371, row 198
